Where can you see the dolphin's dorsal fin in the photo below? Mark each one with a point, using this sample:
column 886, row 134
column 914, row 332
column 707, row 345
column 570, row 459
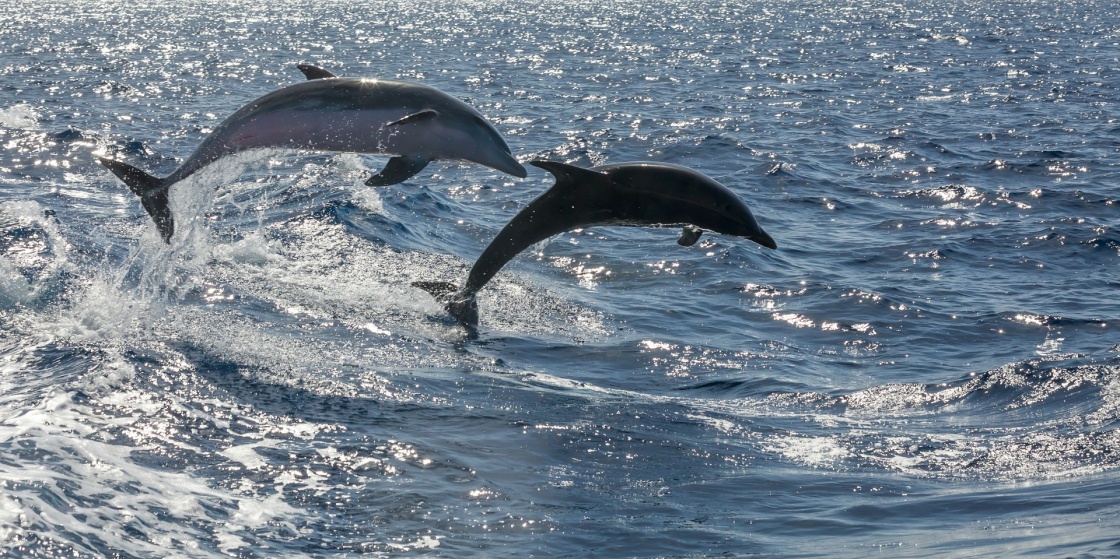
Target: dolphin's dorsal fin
column 415, row 117
column 314, row 72
column 690, row 235
column 568, row 173
column 399, row 169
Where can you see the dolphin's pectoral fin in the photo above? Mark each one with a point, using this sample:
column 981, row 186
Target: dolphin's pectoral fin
column 415, row 117
column 399, row 169
column 689, row 235
column 314, row 72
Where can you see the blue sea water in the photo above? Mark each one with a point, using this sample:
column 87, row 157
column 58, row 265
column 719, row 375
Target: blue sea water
column 928, row 366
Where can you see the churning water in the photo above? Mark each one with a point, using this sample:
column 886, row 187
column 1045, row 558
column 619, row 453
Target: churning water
column 928, row 366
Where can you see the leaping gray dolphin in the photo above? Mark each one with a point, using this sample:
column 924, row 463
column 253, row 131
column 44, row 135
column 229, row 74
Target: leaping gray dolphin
column 632, row 194
column 415, row 123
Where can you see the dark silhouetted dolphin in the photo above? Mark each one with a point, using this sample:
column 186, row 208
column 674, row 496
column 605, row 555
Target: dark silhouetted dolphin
column 415, row 123
column 632, row 194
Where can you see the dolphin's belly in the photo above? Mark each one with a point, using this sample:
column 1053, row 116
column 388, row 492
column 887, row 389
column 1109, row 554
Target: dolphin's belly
column 344, row 131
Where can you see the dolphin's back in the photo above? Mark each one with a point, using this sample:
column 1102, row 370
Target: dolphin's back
column 663, row 194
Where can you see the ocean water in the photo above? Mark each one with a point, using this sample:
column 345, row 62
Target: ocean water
column 928, row 366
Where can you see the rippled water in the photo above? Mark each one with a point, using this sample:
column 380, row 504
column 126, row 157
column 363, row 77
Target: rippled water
column 927, row 367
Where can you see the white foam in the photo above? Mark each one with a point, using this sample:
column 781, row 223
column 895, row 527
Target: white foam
column 21, row 116
column 247, row 454
column 369, row 200
column 812, row 451
column 169, row 507
column 104, row 310
column 63, row 430
column 46, row 260
column 423, row 542
column 13, row 519
column 14, row 288
column 253, row 249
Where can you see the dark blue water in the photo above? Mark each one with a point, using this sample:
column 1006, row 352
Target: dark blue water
column 928, row 366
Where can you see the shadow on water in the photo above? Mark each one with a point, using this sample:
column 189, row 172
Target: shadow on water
column 243, row 385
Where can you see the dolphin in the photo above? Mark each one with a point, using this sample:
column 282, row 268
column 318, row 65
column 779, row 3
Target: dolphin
column 414, row 123
column 631, row 194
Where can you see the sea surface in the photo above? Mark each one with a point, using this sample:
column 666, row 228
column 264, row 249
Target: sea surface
column 927, row 366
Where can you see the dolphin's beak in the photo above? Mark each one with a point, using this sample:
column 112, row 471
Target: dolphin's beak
column 507, row 164
column 514, row 168
column 764, row 239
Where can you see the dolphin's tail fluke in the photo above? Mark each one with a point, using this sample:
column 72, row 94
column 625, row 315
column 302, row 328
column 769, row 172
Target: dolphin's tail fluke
column 152, row 192
column 463, row 307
